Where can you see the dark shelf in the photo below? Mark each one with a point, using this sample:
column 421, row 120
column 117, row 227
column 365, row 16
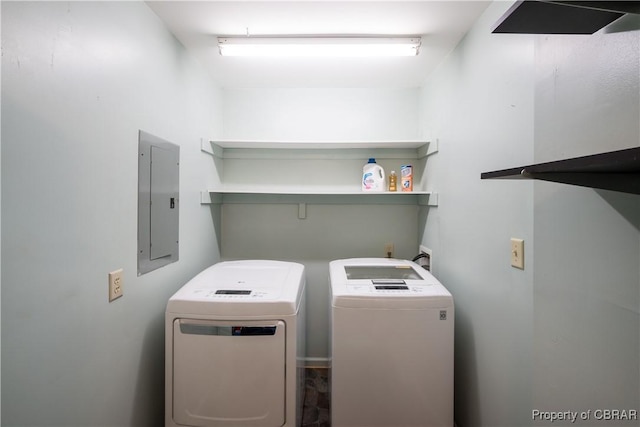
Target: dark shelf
column 562, row 17
column 614, row 170
column 625, row 6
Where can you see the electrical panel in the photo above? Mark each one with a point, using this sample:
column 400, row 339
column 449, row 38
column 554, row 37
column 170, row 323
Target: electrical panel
column 158, row 202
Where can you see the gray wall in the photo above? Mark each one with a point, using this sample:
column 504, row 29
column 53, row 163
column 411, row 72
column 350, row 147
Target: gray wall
column 562, row 334
column 479, row 104
column 78, row 81
column 321, row 114
column 587, row 242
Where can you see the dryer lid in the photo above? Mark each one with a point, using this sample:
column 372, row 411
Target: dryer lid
column 241, row 288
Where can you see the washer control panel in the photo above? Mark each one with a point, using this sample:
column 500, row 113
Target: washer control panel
column 388, row 288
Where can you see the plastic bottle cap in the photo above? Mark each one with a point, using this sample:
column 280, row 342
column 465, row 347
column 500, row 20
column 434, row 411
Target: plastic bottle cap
column 372, row 160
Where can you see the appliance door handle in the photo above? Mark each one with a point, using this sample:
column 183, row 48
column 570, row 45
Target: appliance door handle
column 195, row 328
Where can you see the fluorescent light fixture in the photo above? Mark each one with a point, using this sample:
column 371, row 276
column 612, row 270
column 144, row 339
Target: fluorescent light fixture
column 319, row 46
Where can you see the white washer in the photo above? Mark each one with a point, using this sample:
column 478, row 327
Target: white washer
column 234, row 347
column 391, row 345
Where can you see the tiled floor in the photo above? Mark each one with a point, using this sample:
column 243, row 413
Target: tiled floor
column 317, row 399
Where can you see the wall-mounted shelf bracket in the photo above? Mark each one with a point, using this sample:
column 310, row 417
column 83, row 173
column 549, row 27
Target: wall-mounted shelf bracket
column 428, row 199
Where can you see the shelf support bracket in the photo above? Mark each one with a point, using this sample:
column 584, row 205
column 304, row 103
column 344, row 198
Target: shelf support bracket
column 210, row 198
column 428, row 199
column 211, row 148
column 427, row 149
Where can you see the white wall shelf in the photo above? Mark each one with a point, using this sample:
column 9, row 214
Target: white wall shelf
column 234, row 155
column 245, row 149
column 316, row 196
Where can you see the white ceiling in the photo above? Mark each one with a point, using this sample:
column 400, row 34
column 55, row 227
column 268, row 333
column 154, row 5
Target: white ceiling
column 440, row 23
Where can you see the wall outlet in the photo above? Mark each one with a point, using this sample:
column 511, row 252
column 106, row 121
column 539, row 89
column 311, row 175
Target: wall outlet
column 115, row 285
column 426, row 260
column 517, row 253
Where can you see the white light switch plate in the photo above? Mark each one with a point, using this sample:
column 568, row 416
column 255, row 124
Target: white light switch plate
column 517, row 253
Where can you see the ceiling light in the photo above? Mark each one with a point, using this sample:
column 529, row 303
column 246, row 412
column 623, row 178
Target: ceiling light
column 319, row 46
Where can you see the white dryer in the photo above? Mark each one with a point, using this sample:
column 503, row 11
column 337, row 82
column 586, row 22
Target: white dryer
column 391, row 345
column 234, row 347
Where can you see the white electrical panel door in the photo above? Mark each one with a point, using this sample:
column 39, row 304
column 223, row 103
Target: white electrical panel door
column 164, row 202
column 229, row 373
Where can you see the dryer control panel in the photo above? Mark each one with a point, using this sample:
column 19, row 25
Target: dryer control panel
column 235, row 294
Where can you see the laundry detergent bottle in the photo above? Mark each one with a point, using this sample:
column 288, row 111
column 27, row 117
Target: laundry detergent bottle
column 373, row 176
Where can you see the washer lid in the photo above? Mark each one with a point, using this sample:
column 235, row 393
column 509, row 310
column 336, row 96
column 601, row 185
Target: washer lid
column 385, row 283
column 242, row 288
column 381, row 273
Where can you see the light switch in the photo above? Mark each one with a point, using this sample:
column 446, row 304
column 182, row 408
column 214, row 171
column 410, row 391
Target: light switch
column 517, row 253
